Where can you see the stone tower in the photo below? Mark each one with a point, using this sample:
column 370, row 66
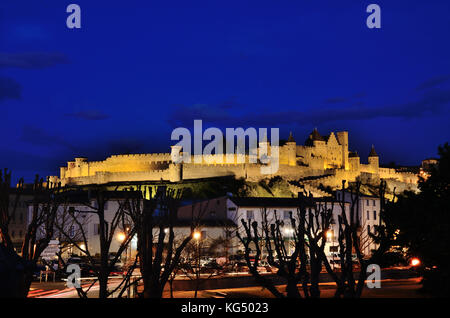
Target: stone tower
column 342, row 137
column 292, row 150
column 264, row 148
column 175, row 172
column 353, row 161
column 374, row 161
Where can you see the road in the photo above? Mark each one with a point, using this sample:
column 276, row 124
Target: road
column 390, row 288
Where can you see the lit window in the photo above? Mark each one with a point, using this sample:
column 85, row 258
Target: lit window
column 286, row 215
column 250, row 215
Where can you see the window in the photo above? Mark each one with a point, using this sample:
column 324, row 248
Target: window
column 286, row 215
column 368, row 228
column 13, row 233
column 334, row 249
column 368, row 215
column 250, row 215
column 96, row 229
column 203, row 235
column 374, row 215
column 367, row 202
column 373, row 202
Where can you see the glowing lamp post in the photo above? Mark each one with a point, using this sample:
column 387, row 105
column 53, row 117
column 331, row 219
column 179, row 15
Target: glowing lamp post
column 121, row 237
column 197, row 235
column 415, row 262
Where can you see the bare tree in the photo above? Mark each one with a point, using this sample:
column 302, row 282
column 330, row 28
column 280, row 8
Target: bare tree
column 158, row 253
column 109, row 226
column 192, row 266
column 44, row 204
column 315, row 217
column 353, row 240
column 252, row 241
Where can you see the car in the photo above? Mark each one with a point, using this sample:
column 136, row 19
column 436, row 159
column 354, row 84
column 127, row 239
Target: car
column 37, row 271
column 212, row 265
column 86, row 270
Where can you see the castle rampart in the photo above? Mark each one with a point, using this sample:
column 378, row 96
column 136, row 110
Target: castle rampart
column 325, row 157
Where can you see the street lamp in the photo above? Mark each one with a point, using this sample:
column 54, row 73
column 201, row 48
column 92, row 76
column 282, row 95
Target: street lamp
column 197, row 235
column 415, row 262
column 121, row 237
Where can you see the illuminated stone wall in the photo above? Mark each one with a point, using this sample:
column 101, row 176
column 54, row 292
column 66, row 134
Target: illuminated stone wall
column 327, row 158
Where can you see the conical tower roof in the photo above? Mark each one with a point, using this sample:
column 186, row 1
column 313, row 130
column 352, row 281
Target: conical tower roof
column 291, row 138
column 372, row 152
column 316, row 136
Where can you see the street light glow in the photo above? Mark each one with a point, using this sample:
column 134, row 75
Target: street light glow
column 197, row 235
column 121, row 237
column 288, row 231
column 415, row 261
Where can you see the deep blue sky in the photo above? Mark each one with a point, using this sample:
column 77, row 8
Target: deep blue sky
column 138, row 69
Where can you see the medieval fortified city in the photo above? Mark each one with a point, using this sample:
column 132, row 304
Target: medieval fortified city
column 229, row 157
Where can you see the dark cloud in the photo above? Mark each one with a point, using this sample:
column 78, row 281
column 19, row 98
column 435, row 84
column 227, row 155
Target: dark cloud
column 89, row 115
column 341, row 99
column 25, row 161
column 127, row 146
column 32, row 60
column 432, row 102
column 184, row 115
column 39, row 137
column 335, row 100
column 229, row 103
column 9, row 89
column 433, row 82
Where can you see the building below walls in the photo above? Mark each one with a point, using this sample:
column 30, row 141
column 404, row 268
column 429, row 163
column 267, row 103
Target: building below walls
column 232, row 211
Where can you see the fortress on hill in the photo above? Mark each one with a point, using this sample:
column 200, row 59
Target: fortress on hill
column 322, row 160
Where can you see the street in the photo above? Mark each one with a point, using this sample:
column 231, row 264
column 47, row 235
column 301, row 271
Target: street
column 390, row 288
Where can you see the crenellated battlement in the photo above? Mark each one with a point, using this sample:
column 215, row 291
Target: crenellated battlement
column 325, row 157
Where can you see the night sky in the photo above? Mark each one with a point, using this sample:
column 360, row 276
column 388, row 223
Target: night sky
column 138, row 69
